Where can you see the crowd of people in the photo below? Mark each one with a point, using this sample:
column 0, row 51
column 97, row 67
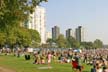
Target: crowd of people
column 97, row 58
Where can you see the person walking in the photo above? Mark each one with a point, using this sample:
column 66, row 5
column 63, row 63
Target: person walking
column 49, row 56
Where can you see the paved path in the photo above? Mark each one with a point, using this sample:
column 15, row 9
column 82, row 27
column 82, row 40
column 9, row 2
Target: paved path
column 2, row 69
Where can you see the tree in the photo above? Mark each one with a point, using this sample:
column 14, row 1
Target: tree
column 98, row 43
column 2, row 39
column 12, row 11
column 72, row 42
column 61, row 41
column 11, row 40
column 68, row 45
column 35, row 38
column 87, row 45
column 13, row 14
column 23, row 37
column 50, row 42
column 11, row 37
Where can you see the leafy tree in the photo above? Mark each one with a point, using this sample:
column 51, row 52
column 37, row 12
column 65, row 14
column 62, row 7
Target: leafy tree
column 73, row 42
column 11, row 37
column 35, row 38
column 98, row 43
column 12, row 15
column 50, row 41
column 23, row 37
column 45, row 46
column 61, row 41
column 11, row 40
column 12, row 11
column 87, row 45
column 68, row 45
column 2, row 39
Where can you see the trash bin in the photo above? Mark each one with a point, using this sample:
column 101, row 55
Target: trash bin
column 27, row 57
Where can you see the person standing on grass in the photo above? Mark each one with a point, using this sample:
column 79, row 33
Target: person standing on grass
column 78, row 62
column 49, row 56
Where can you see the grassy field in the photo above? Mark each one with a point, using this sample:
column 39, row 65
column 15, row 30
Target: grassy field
column 20, row 65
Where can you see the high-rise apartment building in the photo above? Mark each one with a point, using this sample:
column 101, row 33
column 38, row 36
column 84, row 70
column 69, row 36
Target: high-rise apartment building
column 37, row 21
column 48, row 35
column 79, row 34
column 55, row 32
column 69, row 32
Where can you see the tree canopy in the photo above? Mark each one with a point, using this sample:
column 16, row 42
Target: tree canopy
column 13, row 13
column 98, row 43
column 61, row 41
column 72, row 42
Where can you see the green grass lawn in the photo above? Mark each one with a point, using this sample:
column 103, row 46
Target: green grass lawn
column 20, row 65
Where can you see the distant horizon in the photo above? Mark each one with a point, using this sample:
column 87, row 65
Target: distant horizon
column 64, row 33
column 91, row 14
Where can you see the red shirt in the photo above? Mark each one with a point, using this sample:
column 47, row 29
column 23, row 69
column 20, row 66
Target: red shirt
column 74, row 64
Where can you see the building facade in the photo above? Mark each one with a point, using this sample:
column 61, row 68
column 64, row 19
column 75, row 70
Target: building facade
column 55, row 32
column 37, row 21
column 79, row 34
column 69, row 33
column 48, row 35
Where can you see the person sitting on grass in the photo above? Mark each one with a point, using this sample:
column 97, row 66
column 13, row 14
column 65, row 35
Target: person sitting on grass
column 99, row 67
column 43, row 59
column 93, row 69
column 105, row 69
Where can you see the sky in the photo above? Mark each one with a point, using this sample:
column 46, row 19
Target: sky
column 91, row 14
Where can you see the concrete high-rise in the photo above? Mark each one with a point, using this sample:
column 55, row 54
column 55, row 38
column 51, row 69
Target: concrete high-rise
column 69, row 33
column 37, row 21
column 55, row 32
column 79, row 34
column 48, row 35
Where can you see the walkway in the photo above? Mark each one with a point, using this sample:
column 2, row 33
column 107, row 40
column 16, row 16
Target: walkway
column 5, row 70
